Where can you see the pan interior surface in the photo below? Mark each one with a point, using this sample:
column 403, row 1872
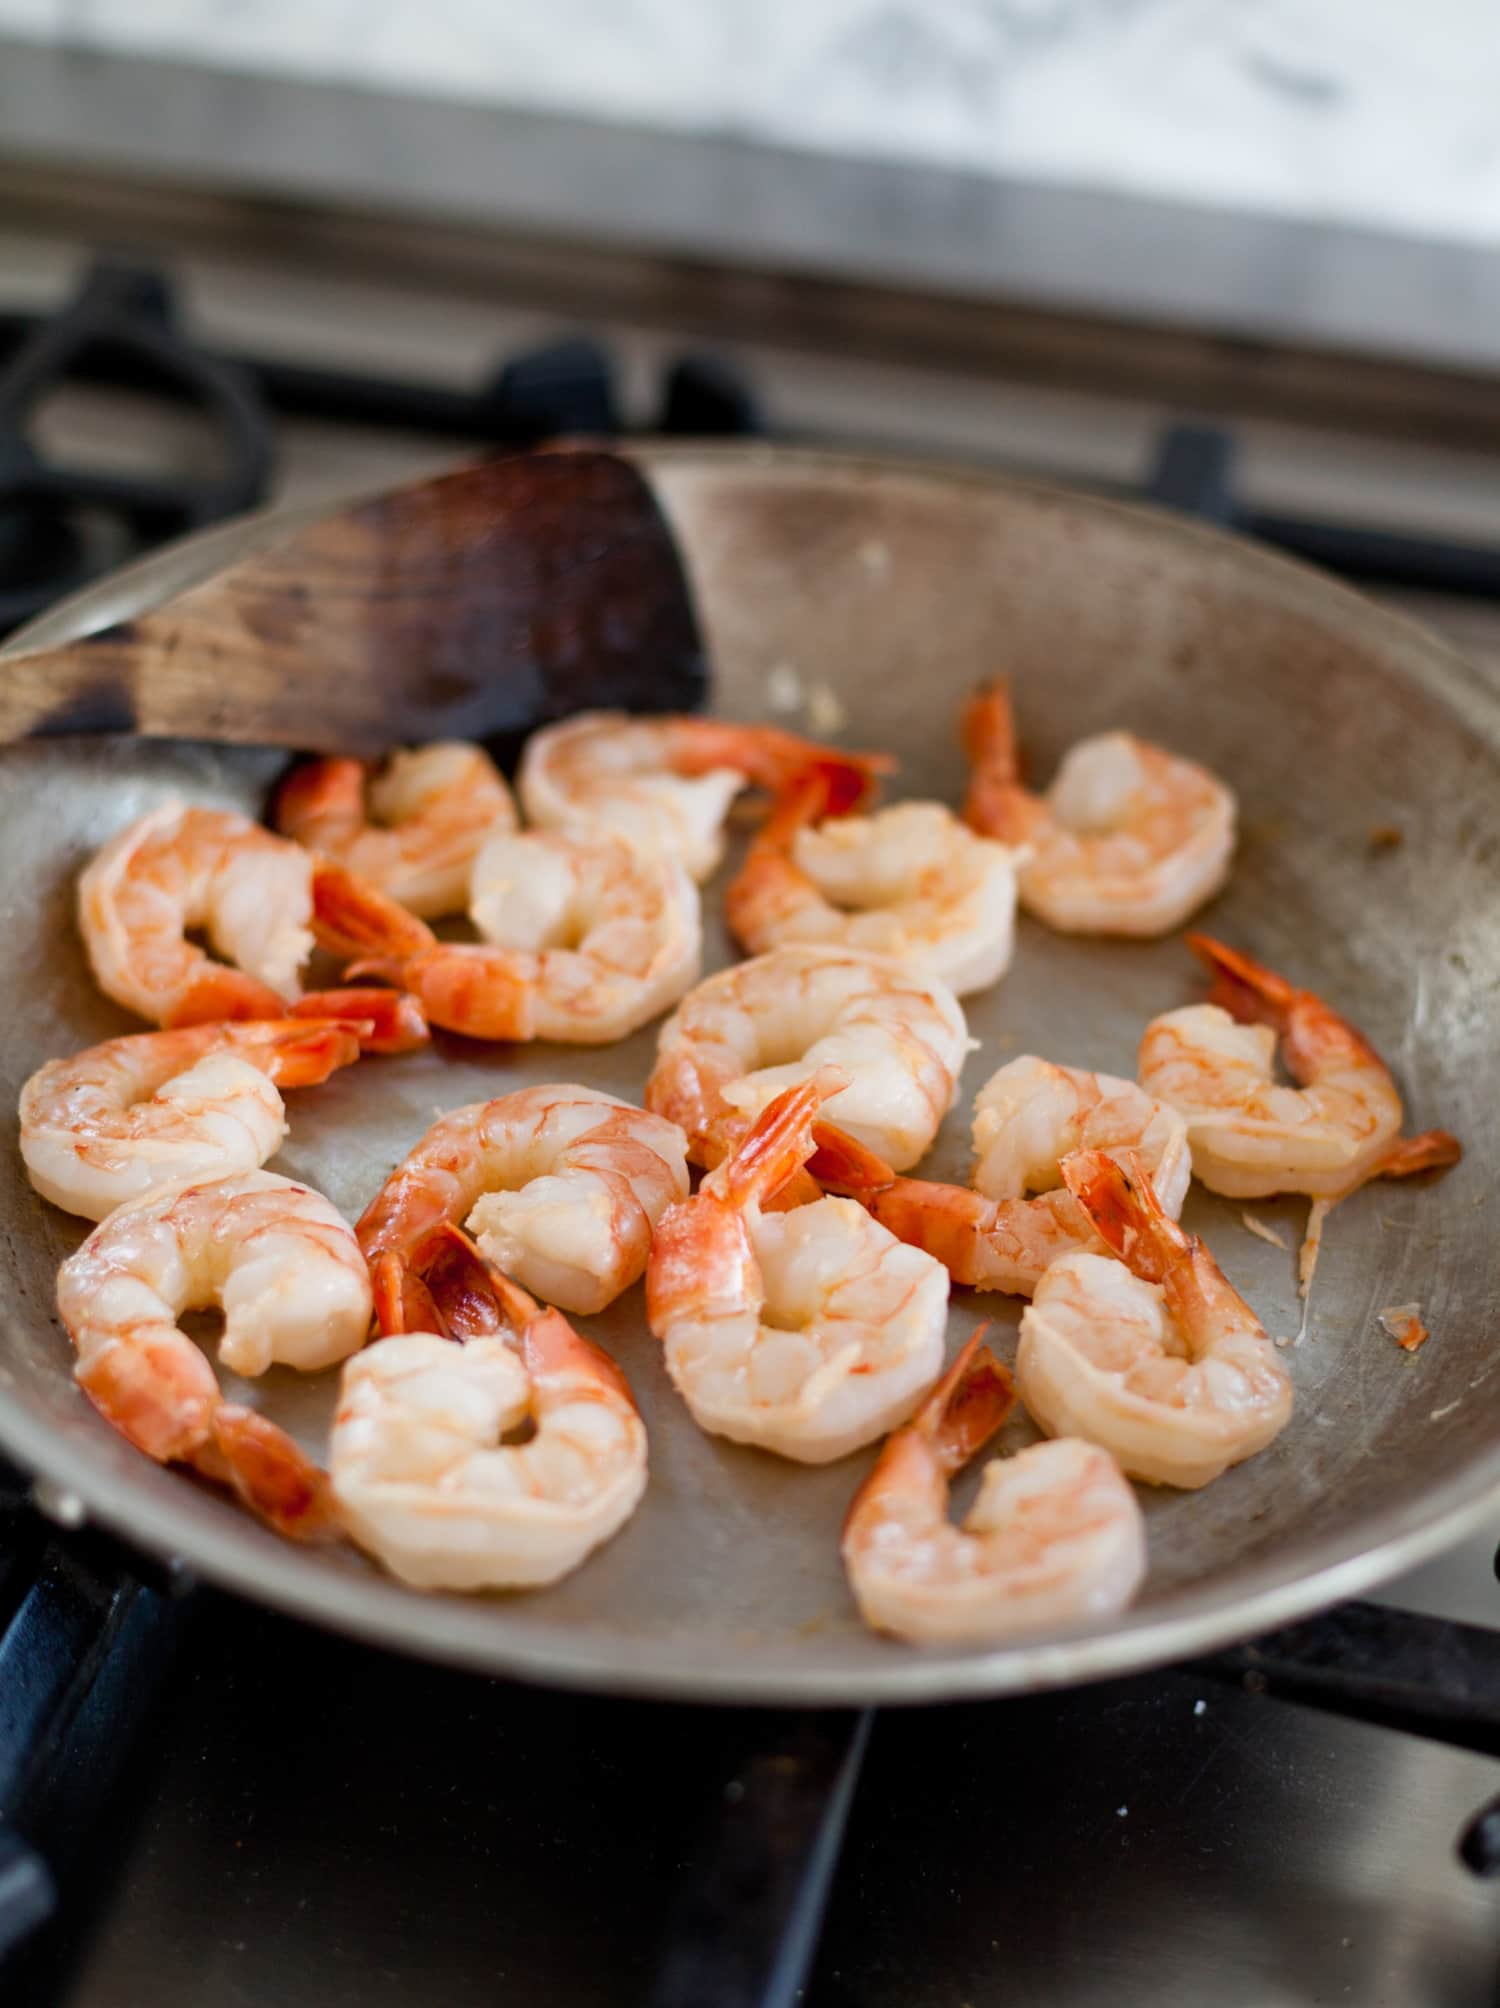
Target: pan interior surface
column 878, row 595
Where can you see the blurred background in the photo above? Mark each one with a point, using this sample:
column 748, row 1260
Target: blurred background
column 1025, row 229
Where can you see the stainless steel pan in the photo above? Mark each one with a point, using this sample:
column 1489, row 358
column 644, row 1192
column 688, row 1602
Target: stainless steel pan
column 895, row 588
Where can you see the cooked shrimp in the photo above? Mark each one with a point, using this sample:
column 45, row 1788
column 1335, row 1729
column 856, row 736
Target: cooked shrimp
column 286, row 1271
column 1129, row 839
column 748, row 1032
column 667, row 783
column 1252, row 1136
column 260, row 899
column 808, row 1332
column 1021, row 1218
column 107, row 1125
column 589, row 940
column 1055, row 1537
column 413, row 829
column 1155, row 1356
column 911, row 882
column 561, row 1186
column 424, row 1480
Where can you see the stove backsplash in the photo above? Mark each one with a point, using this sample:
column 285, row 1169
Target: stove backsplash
column 1362, row 111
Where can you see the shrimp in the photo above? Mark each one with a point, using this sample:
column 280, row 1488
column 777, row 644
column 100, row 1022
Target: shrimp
column 589, row 940
column 413, row 829
column 911, row 882
column 807, row 1332
column 1129, row 839
column 287, row 1272
column 420, row 1471
column 260, row 899
column 667, row 783
column 1250, row 1135
column 748, row 1032
column 1020, row 1218
column 1155, row 1356
column 562, row 1187
column 108, row 1124
column 1055, row 1537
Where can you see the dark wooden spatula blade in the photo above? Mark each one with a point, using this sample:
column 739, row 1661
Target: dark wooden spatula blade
column 480, row 604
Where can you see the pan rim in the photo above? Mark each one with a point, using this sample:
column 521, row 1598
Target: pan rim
column 157, row 1517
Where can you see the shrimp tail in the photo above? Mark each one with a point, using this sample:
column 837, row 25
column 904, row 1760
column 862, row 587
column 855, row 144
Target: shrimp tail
column 996, row 804
column 841, row 1163
column 963, row 1410
column 384, row 1021
column 1121, row 1201
column 353, row 918
column 302, row 1055
column 403, row 1302
column 474, row 1298
column 1433, row 1150
column 967, row 1405
column 487, row 993
column 773, row 759
column 1311, row 1032
column 269, row 1472
column 778, row 1143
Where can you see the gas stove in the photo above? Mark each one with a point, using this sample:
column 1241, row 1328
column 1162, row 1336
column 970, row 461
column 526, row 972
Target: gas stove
column 204, row 1801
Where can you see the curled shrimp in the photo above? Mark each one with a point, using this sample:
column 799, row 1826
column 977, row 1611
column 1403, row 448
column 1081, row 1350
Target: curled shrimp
column 747, row 1032
column 287, row 1272
column 1019, row 1218
column 260, row 899
column 910, row 881
column 1251, row 1135
column 587, row 939
column 1055, row 1537
column 1155, row 1356
column 411, row 828
column 106, row 1125
column 666, row 783
column 560, row 1185
column 1129, row 839
column 420, row 1470
column 808, row 1332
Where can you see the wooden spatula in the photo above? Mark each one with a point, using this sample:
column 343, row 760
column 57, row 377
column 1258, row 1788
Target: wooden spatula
column 477, row 605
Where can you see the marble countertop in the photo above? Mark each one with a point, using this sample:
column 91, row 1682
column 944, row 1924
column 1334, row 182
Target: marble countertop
column 1328, row 173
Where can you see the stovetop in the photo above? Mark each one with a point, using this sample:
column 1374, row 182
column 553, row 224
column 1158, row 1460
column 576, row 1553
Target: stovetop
column 215, row 1804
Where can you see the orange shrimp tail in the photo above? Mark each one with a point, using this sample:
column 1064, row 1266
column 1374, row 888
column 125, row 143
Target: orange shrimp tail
column 354, row 918
column 269, row 1472
column 987, row 731
column 960, row 1414
column 319, row 796
column 485, row 993
column 1122, row 1203
column 302, row 1055
column 1311, row 1032
column 779, row 1141
column 996, row 805
column 1433, row 1150
column 218, row 994
column 840, row 1163
column 403, row 1302
column 384, row 1021
column 773, row 758
column 967, row 1406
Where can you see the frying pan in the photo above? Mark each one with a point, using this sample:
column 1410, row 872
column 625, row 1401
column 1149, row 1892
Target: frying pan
column 883, row 591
